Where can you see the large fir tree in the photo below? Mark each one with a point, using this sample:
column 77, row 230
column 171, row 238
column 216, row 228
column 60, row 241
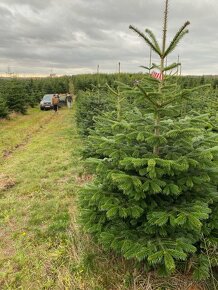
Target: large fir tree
column 154, row 197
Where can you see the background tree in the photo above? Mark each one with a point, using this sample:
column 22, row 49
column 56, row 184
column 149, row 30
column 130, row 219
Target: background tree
column 16, row 96
column 3, row 107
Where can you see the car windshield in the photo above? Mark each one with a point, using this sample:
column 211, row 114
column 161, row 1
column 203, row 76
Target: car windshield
column 47, row 98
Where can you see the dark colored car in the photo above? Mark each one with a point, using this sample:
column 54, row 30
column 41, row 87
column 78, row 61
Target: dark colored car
column 46, row 102
column 62, row 100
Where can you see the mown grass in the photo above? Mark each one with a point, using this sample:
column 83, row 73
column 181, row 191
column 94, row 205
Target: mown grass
column 41, row 243
column 35, row 218
column 16, row 131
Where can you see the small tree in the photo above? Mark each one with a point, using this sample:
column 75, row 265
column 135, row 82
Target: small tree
column 154, row 198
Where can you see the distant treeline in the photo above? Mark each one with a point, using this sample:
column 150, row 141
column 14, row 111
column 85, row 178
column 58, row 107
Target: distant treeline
column 193, row 81
column 16, row 95
column 85, row 82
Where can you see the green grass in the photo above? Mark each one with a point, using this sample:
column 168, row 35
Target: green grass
column 35, row 217
column 19, row 129
column 41, row 244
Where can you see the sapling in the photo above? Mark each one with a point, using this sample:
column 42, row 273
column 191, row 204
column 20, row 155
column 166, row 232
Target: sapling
column 155, row 192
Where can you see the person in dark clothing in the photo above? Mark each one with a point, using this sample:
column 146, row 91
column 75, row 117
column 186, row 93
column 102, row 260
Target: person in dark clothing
column 55, row 101
column 69, row 100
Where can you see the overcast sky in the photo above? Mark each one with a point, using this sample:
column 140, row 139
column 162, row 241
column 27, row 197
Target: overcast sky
column 74, row 36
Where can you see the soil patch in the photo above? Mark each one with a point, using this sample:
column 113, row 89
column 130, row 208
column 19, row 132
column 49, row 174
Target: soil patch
column 6, row 182
column 85, row 178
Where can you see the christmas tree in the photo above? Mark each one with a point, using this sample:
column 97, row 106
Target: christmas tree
column 154, row 198
column 16, row 97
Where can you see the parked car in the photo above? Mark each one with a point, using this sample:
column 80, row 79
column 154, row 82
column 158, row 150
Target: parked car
column 46, row 102
column 62, row 100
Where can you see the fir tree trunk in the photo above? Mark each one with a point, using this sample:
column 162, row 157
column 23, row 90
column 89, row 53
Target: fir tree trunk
column 156, row 149
column 164, row 30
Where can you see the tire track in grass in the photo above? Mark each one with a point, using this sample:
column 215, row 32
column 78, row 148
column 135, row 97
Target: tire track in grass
column 31, row 132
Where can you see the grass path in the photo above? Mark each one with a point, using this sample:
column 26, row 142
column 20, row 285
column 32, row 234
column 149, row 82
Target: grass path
column 20, row 129
column 36, row 212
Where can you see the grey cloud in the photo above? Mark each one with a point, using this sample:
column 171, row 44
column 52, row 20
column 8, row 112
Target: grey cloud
column 82, row 33
column 34, row 4
column 5, row 12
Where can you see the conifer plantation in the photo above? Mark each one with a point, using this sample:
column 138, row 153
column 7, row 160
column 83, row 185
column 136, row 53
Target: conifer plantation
column 154, row 158
column 17, row 95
